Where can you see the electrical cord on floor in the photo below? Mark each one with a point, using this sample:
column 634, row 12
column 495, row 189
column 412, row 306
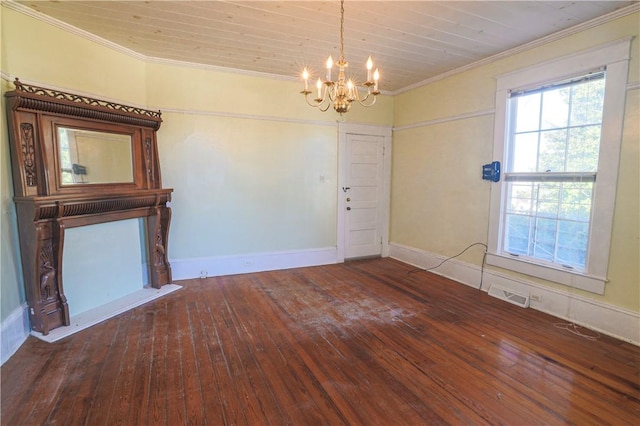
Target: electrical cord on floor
column 484, row 257
column 575, row 329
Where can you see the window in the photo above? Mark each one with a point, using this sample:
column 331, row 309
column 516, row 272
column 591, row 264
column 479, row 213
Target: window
column 558, row 131
column 552, row 160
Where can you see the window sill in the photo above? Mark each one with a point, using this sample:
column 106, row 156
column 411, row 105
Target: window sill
column 572, row 279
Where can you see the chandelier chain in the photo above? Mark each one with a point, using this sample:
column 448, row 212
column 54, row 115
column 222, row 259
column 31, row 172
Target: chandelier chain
column 341, row 30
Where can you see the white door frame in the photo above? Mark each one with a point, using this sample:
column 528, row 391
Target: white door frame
column 345, row 129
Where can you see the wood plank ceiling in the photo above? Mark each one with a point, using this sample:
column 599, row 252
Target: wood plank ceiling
column 410, row 41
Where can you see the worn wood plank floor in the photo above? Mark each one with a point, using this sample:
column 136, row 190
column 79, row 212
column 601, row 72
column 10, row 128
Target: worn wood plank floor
column 362, row 343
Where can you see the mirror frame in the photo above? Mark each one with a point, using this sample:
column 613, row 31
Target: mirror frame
column 45, row 207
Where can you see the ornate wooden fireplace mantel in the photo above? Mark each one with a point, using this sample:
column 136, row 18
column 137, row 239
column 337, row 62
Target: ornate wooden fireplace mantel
column 79, row 161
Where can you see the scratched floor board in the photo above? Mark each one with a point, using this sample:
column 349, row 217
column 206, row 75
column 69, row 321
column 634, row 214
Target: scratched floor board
column 364, row 342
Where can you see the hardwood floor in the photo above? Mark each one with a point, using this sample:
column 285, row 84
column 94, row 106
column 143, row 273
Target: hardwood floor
column 361, row 343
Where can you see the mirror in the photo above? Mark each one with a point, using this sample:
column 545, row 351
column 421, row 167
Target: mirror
column 90, row 157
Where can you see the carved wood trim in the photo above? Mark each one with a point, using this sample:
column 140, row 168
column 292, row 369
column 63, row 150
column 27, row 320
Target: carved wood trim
column 148, row 158
column 160, row 250
column 48, row 273
column 58, row 102
column 28, row 153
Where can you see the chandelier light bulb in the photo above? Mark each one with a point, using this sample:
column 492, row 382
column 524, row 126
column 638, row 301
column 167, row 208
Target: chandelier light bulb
column 329, row 66
column 305, row 77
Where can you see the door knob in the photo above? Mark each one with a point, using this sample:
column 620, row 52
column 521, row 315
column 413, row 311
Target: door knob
column 348, row 208
column 348, row 199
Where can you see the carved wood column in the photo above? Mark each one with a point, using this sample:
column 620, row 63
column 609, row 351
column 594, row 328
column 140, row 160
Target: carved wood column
column 41, row 243
column 158, row 237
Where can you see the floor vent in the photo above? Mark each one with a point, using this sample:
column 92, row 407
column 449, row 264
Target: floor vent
column 509, row 296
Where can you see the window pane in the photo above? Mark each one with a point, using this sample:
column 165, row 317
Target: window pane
column 583, row 148
column 547, row 200
column 576, row 201
column 545, row 239
column 528, row 112
column 553, row 146
column 525, row 152
column 587, row 101
column 555, row 108
column 572, row 248
column 517, row 234
column 520, row 198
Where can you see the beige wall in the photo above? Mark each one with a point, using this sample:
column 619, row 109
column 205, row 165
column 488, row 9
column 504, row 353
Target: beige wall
column 440, row 204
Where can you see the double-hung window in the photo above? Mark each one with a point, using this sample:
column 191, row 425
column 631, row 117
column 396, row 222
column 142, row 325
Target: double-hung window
column 552, row 159
column 558, row 132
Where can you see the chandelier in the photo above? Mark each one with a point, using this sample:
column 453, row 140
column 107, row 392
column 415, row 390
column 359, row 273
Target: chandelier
column 343, row 92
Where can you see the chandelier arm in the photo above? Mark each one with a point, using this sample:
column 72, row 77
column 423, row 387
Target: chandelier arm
column 316, row 102
column 330, row 92
column 368, row 105
column 357, row 95
column 316, row 105
column 325, row 108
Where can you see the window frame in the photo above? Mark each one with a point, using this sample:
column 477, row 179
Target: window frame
column 614, row 57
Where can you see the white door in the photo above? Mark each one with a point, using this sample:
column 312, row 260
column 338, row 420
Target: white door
column 363, row 195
